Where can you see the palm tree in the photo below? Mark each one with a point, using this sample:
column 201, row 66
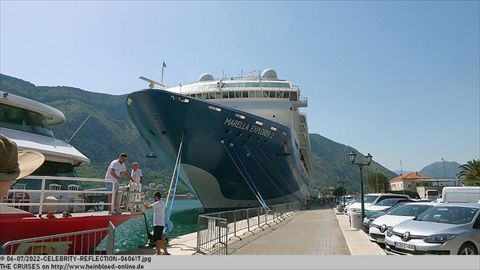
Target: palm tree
column 469, row 174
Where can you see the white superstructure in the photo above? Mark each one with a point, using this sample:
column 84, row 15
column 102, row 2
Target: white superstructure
column 262, row 94
column 29, row 123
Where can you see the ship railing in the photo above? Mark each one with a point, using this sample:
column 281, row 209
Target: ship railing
column 216, row 230
column 75, row 197
column 73, row 243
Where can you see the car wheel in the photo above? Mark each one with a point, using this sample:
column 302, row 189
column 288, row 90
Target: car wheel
column 468, row 249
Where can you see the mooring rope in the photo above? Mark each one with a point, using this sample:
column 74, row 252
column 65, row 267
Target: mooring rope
column 248, row 179
column 173, row 182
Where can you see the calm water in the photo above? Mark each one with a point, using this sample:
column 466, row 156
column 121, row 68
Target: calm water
column 132, row 233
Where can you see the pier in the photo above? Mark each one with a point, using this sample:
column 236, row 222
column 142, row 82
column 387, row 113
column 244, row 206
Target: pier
column 320, row 231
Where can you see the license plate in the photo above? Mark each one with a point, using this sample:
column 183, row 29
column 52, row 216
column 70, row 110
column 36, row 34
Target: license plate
column 380, row 239
column 404, row 246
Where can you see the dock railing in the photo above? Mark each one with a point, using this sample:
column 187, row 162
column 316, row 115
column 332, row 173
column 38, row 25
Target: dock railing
column 215, row 230
column 74, row 243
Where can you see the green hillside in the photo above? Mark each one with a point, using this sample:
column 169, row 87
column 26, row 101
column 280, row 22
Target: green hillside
column 109, row 131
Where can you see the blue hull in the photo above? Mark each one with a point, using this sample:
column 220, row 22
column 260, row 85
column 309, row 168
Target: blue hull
column 225, row 152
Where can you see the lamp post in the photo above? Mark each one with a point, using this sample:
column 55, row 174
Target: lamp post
column 444, row 171
column 368, row 160
column 343, row 189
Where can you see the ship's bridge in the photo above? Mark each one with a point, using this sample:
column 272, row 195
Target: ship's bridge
column 261, row 88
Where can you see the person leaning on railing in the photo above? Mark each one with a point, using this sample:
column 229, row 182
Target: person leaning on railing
column 115, row 170
column 15, row 165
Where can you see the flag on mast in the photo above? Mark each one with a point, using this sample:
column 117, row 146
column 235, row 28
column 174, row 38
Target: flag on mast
column 163, row 67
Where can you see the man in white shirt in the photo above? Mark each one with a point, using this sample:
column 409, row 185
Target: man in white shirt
column 135, row 184
column 158, row 223
column 115, row 170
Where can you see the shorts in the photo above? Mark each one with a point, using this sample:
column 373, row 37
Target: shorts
column 157, row 233
column 109, row 186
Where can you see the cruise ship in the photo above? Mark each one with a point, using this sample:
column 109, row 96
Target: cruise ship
column 245, row 142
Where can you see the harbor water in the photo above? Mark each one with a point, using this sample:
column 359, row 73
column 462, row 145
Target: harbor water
column 133, row 234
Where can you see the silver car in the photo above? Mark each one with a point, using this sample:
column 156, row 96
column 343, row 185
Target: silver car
column 443, row 229
column 396, row 215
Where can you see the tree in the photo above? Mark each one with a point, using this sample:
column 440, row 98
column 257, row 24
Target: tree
column 339, row 191
column 377, row 182
column 469, row 174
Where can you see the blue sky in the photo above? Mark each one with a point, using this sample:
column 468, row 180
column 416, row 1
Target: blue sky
column 397, row 79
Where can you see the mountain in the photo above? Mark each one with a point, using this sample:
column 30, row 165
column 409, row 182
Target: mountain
column 109, row 131
column 330, row 160
column 435, row 170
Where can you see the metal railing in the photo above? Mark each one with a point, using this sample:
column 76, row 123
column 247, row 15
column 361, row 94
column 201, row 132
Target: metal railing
column 215, row 230
column 73, row 243
column 71, row 198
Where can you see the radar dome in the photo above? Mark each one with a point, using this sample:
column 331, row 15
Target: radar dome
column 206, row 77
column 269, row 74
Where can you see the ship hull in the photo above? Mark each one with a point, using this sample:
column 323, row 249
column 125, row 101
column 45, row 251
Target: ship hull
column 231, row 159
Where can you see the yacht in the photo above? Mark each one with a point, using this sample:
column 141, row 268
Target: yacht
column 244, row 141
column 53, row 200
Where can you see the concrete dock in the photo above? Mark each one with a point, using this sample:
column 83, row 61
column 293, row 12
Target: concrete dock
column 313, row 232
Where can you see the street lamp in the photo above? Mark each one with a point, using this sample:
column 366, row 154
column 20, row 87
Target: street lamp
column 444, row 172
column 343, row 189
column 368, row 160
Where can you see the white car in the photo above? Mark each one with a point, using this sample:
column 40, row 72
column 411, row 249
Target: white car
column 395, row 216
column 373, row 199
column 445, row 229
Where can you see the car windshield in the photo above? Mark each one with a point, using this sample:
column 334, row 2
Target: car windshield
column 449, row 214
column 369, row 198
column 389, row 202
column 411, row 210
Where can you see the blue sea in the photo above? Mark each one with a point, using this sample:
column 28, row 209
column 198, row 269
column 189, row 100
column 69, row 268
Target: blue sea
column 132, row 233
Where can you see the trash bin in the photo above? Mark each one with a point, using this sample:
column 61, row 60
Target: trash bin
column 356, row 221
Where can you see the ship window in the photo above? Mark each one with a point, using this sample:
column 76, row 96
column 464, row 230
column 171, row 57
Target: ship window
column 218, row 95
column 231, row 94
column 23, row 120
column 251, row 94
column 265, row 94
column 258, row 94
column 286, row 95
column 245, row 94
column 272, row 94
column 279, row 94
column 293, row 96
column 225, row 95
column 238, row 94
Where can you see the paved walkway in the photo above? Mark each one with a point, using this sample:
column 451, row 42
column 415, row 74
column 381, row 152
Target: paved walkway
column 313, row 232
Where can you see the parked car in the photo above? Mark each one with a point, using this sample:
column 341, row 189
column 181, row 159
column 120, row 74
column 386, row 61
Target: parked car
column 442, row 230
column 386, row 204
column 369, row 217
column 394, row 216
column 460, row 195
column 373, row 199
column 412, row 194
